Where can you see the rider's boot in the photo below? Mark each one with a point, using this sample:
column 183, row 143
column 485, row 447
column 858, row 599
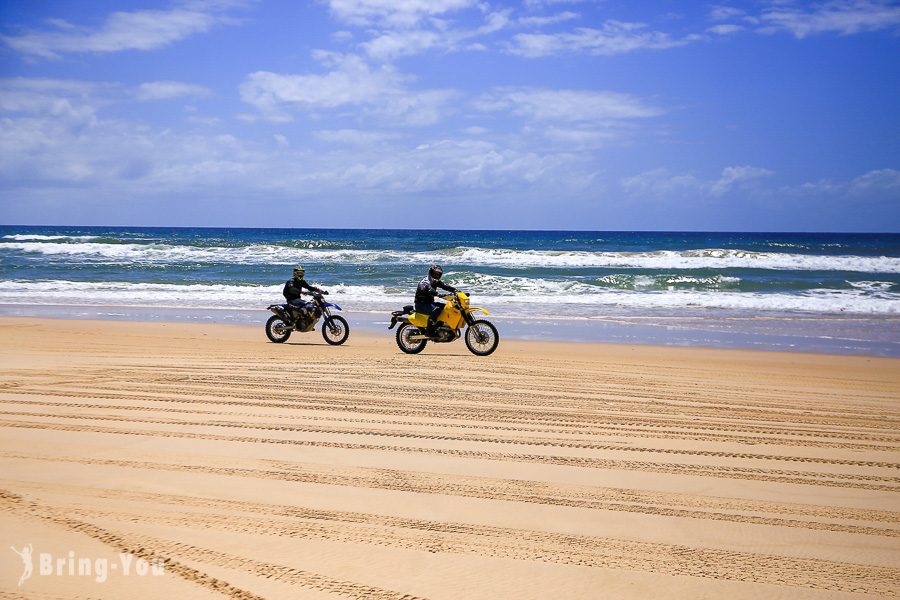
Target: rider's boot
column 431, row 328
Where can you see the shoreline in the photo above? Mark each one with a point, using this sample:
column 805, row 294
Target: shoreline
column 254, row 332
column 846, row 335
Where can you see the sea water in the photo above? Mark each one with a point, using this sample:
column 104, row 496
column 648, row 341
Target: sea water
column 825, row 292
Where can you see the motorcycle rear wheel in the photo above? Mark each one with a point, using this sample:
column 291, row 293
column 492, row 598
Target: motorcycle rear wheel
column 409, row 346
column 335, row 330
column 482, row 337
column 277, row 330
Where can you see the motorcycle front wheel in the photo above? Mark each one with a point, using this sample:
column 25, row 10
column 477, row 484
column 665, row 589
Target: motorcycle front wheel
column 404, row 333
column 277, row 330
column 482, row 337
column 335, row 330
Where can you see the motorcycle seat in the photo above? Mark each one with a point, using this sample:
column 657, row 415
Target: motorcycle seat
column 408, row 309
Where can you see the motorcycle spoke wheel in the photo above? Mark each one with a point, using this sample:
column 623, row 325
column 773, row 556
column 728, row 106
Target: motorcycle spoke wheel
column 335, row 330
column 482, row 338
column 404, row 341
column 277, row 330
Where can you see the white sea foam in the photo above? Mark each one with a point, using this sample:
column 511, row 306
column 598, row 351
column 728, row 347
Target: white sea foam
column 713, row 258
column 24, row 237
column 545, row 299
column 872, row 286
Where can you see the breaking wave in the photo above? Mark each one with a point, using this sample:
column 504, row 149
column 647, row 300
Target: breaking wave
column 544, row 298
column 318, row 252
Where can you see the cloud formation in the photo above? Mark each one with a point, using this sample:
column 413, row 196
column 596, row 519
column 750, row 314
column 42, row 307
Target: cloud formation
column 661, row 183
column 548, row 104
column 844, row 17
column 392, row 44
column 875, row 182
column 613, row 37
column 352, row 83
column 165, row 90
column 134, row 30
column 392, row 13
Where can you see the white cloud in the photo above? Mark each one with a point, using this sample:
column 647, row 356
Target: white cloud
column 53, row 136
column 617, row 37
column 133, row 161
column 734, row 176
column 395, row 44
column 136, row 30
column 543, row 3
column 354, row 137
column 614, row 37
column 541, row 21
column 881, row 179
column 416, row 108
column 876, row 182
column 545, row 104
column 580, row 138
column 661, row 183
column 389, row 45
column 725, row 13
column 724, row 29
column 380, row 92
column 463, row 166
column 76, row 101
column 165, row 90
column 353, row 82
column 840, row 16
column 393, row 13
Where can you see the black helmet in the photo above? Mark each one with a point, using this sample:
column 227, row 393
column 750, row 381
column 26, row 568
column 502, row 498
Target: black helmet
column 435, row 272
column 299, row 272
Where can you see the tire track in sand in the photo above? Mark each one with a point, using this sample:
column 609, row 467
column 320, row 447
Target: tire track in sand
column 154, row 548
column 517, row 544
column 532, row 492
column 406, row 434
column 869, row 482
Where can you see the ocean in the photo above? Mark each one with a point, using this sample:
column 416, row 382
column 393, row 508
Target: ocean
column 821, row 292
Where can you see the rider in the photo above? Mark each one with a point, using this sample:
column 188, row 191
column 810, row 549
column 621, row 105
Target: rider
column 293, row 289
column 425, row 293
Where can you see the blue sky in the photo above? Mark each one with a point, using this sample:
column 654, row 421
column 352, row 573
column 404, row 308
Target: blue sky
column 767, row 115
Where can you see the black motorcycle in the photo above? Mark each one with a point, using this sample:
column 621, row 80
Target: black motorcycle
column 287, row 319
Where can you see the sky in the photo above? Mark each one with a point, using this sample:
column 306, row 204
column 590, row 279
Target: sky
column 763, row 115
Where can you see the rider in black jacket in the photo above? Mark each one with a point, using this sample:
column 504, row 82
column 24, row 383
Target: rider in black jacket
column 293, row 290
column 425, row 293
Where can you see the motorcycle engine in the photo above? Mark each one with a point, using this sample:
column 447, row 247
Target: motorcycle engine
column 444, row 334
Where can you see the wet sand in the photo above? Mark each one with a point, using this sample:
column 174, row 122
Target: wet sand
column 545, row 470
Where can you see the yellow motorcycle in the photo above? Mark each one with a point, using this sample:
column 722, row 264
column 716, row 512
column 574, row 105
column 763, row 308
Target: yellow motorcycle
column 481, row 336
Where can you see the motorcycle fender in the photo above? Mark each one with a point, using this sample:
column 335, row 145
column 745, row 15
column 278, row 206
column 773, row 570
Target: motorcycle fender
column 476, row 309
column 395, row 318
column 330, row 305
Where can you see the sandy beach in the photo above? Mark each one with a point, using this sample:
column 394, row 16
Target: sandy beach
column 547, row 470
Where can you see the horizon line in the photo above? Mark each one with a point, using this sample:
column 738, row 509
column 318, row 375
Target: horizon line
column 782, row 232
